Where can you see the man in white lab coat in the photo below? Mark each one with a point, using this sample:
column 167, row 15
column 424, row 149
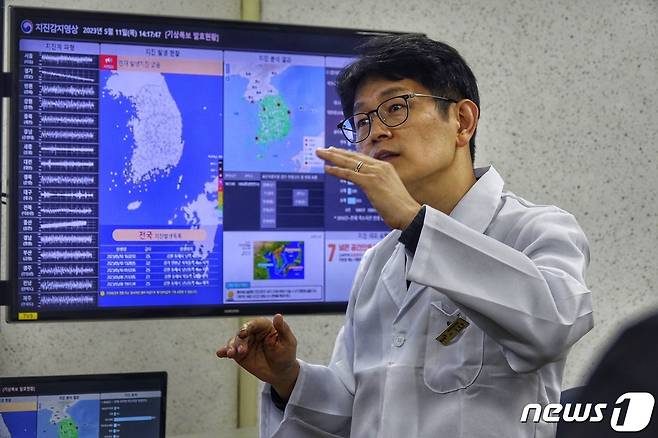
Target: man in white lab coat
column 466, row 311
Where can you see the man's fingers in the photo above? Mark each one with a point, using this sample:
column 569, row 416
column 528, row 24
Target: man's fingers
column 241, row 352
column 337, row 158
column 363, row 180
column 224, row 350
column 282, row 328
column 346, row 153
column 235, row 348
column 255, row 327
column 342, row 158
column 343, row 173
column 230, row 352
column 249, row 335
column 259, row 330
column 244, row 331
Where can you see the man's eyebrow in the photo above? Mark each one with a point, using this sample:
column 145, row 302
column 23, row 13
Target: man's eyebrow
column 386, row 93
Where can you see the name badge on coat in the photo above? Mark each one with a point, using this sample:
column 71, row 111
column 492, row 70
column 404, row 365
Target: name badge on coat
column 453, row 330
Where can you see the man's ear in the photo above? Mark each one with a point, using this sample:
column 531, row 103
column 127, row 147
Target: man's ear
column 468, row 115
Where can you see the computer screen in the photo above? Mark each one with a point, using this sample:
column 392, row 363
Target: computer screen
column 105, row 405
column 166, row 167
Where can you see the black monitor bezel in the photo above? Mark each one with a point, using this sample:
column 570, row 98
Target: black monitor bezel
column 159, row 376
column 16, row 15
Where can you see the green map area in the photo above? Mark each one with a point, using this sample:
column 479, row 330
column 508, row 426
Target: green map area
column 278, row 260
column 58, row 418
column 274, row 116
column 68, row 429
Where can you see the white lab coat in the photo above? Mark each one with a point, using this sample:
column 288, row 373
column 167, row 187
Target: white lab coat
column 514, row 270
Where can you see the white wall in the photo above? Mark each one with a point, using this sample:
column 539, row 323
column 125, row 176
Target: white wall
column 568, row 93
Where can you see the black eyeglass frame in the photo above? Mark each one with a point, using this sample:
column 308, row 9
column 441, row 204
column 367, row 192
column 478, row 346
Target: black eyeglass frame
column 368, row 114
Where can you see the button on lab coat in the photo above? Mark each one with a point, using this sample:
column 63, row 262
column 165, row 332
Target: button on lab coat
column 513, row 270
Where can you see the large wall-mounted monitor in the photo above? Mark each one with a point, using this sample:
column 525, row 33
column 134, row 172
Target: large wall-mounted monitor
column 165, row 167
column 98, row 405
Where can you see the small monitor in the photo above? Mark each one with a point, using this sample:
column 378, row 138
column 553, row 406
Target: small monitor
column 99, row 405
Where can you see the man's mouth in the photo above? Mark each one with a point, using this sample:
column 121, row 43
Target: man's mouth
column 385, row 155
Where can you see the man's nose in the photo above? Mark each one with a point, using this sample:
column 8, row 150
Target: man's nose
column 378, row 130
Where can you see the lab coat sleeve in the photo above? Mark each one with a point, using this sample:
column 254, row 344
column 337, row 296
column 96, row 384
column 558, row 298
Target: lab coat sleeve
column 529, row 294
column 321, row 402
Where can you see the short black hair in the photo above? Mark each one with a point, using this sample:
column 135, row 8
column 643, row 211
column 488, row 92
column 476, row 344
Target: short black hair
column 435, row 65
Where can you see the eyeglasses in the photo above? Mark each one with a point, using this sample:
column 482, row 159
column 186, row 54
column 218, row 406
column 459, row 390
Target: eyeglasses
column 392, row 112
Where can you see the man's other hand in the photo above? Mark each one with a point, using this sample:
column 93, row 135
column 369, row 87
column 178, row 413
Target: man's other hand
column 268, row 350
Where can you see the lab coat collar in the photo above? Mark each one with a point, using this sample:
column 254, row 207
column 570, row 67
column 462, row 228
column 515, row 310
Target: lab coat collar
column 477, row 208
column 393, row 275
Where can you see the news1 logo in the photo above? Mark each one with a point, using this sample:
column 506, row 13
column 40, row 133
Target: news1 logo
column 631, row 412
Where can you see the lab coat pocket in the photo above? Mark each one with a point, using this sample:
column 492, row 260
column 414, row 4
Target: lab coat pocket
column 457, row 364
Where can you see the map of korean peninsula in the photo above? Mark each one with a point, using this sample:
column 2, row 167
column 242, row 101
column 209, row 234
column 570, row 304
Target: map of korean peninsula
column 160, row 146
column 276, row 118
column 157, row 124
column 68, row 418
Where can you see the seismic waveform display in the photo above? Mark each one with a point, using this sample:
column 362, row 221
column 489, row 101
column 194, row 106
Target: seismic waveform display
column 68, row 90
column 67, row 270
column 67, row 254
column 67, row 104
column 66, row 300
column 65, row 59
column 68, row 180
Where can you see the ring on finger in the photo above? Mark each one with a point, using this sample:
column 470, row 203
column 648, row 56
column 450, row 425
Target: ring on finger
column 358, row 166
